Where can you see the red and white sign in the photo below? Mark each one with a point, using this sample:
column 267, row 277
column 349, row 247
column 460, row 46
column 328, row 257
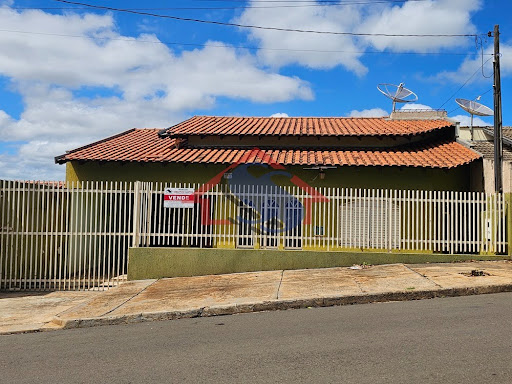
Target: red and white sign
column 179, row 198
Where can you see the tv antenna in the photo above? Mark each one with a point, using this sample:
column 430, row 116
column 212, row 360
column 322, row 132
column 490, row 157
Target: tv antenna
column 397, row 93
column 474, row 108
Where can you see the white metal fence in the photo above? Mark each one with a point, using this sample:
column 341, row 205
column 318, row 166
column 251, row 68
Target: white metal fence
column 58, row 236
column 64, row 237
column 325, row 219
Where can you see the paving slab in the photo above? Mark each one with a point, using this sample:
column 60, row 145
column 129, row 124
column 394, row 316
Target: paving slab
column 458, row 275
column 26, row 312
column 107, row 301
column 391, row 278
column 315, row 283
column 187, row 293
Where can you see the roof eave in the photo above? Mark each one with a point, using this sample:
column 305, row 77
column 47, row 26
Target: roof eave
column 63, row 158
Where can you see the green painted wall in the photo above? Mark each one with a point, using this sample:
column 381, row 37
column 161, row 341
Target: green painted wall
column 456, row 179
column 117, row 171
column 154, row 263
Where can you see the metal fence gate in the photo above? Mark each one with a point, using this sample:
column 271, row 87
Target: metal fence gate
column 57, row 236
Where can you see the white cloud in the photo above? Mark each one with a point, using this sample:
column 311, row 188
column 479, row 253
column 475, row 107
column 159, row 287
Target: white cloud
column 76, row 90
column 466, row 71
column 279, row 115
column 327, row 18
column 423, row 17
column 415, row 106
column 465, row 120
column 373, row 112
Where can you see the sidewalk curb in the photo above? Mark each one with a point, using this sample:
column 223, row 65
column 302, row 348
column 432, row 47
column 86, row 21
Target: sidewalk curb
column 275, row 305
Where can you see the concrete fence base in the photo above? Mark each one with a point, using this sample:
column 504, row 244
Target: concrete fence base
column 155, row 263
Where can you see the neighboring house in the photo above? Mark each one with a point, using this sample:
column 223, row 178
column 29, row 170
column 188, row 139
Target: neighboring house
column 483, row 143
column 385, row 153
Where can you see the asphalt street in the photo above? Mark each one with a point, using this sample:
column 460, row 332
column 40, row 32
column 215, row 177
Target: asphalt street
column 449, row 340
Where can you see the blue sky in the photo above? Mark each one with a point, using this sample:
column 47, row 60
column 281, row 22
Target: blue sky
column 73, row 75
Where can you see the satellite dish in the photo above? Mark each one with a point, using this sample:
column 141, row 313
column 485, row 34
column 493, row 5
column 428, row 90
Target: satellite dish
column 397, row 93
column 474, row 108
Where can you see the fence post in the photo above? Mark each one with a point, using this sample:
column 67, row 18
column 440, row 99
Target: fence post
column 136, row 215
column 508, row 216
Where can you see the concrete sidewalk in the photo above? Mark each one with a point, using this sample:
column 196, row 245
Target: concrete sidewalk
column 149, row 300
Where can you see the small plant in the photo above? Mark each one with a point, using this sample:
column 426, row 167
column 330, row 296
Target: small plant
column 365, row 265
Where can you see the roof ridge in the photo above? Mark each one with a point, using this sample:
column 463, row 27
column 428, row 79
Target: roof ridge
column 294, row 117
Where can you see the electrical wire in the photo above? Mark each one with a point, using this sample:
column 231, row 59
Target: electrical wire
column 257, row 26
column 132, row 40
column 482, row 51
column 467, row 81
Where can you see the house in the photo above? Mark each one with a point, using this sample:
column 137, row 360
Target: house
column 232, row 194
column 315, row 183
column 483, row 144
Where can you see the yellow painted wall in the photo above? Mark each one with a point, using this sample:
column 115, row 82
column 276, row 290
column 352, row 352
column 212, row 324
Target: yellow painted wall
column 455, row 179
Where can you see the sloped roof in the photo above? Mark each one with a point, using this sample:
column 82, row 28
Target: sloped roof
column 506, row 132
column 302, row 126
column 486, row 149
column 145, row 145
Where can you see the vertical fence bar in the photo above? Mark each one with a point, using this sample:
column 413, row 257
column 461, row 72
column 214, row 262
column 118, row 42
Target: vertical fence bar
column 339, row 214
column 3, row 231
column 60, row 233
column 423, row 219
column 136, row 214
column 350, row 216
column 16, row 254
column 26, row 233
column 474, row 223
column 95, row 201
column 503, row 223
column 494, row 222
column 10, row 231
column 3, row 197
column 429, row 204
column 456, row 227
column 81, row 237
column 54, row 231
column 24, row 236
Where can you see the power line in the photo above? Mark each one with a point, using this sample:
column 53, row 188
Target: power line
column 467, row 81
column 133, row 40
column 258, row 26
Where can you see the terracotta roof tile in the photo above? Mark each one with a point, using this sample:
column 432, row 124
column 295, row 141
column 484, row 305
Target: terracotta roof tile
column 305, row 126
column 486, row 149
column 144, row 145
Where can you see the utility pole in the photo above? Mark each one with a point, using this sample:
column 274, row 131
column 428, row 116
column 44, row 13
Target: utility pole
column 498, row 134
